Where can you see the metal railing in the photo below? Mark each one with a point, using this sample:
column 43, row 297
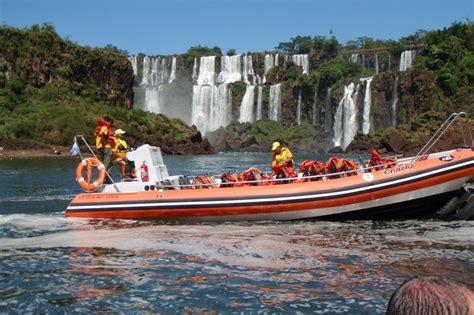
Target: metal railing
column 441, row 131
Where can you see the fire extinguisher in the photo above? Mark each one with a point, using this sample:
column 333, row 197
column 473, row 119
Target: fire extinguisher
column 144, row 172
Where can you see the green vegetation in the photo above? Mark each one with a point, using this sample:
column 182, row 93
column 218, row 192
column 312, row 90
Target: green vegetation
column 51, row 90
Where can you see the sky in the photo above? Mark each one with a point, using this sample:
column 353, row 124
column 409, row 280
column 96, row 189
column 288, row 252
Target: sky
column 165, row 27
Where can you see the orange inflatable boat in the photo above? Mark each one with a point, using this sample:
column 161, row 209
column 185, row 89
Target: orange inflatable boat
column 411, row 187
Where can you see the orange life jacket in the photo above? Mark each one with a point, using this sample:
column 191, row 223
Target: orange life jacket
column 101, row 122
column 377, row 162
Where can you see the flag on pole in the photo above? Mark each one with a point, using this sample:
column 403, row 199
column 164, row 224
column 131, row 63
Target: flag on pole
column 75, row 148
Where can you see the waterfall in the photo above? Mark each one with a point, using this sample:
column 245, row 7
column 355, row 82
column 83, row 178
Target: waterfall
column 173, row 70
column 275, row 64
column 275, row 102
column 394, row 103
column 302, row 61
column 248, row 70
column 230, row 69
column 376, row 63
column 153, row 99
column 207, row 71
column 258, row 115
column 406, row 60
column 246, row 107
column 269, row 62
column 367, row 105
column 211, row 105
column 315, row 108
column 134, row 61
column 328, row 112
column 155, row 77
column 345, row 123
column 354, row 58
column 298, row 109
column 195, row 74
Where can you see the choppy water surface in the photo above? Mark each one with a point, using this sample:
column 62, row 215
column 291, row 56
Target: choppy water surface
column 54, row 265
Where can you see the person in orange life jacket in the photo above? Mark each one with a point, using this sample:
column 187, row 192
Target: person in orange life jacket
column 282, row 161
column 104, row 141
column 120, row 154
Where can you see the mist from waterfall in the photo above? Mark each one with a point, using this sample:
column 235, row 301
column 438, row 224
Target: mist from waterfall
column 367, row 105
column 345, row 123
column 155, row 76
column 275, row 102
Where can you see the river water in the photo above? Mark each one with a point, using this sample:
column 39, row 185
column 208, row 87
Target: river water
column 50, row 264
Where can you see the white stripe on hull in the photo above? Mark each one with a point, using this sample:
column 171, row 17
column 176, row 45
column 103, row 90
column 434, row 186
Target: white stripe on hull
column 314, row 213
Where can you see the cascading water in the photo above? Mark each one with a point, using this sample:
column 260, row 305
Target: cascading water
column 298, row 109
column 268, row 62
column 367, row 105
column 345, row 123
column 134, row 61
column 275, row 102
column 354, row 58
column 248, row 70
column 406, row 60
column 155, row 77
column 207, row 71
column 195, row 73
column 230, row 69
column 394, row 103
column 173, row 70
column 302, row 61
column 258, row 114
column 211, row 107
column 247, row 105
column 376, row 63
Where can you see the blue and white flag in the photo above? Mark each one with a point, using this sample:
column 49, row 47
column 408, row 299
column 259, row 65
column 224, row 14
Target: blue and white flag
column 75, row 148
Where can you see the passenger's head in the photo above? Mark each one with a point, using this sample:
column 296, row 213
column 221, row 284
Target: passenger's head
column 431, row 295
column 276, row 147
column 119, row 133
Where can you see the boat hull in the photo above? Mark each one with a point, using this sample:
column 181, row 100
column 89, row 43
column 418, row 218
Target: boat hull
column 409, row 190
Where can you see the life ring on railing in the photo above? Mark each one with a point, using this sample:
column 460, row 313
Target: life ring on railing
column 88, row 164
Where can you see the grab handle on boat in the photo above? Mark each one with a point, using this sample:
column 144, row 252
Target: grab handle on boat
column 439, row 133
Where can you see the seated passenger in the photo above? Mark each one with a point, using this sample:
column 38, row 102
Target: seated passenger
column 282, row 162
column 378, row 163
column 120, row 155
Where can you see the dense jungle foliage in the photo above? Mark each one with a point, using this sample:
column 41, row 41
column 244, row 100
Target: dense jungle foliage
column 52, row 89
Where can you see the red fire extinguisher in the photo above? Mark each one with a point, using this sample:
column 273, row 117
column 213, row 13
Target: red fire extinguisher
column 144, row 172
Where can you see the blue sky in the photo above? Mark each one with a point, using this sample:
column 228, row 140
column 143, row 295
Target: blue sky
column 172, row 26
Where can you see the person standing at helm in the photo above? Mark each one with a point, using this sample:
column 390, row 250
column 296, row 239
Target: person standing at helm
column 104, row 141
column 282, row 161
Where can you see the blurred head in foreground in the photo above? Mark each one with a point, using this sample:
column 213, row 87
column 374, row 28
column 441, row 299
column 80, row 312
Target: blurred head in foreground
column 431, row 295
